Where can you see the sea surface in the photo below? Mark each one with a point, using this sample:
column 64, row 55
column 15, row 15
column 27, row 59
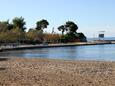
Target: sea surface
column 106, row 38
column 90, row 52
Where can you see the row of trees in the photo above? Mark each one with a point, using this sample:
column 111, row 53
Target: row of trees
column 15, row 32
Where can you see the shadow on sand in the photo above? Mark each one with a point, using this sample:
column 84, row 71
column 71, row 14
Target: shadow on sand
column 4, row 59
column 2, row 68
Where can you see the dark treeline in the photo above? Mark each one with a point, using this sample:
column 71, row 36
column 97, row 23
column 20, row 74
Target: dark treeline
column 15, row 32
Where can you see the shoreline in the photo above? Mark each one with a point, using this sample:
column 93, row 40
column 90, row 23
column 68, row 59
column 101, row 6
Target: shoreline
column 52, row 72
column 22, row 47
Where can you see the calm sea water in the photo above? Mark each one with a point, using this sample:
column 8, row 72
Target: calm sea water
column 93, row 52
column 106, row 38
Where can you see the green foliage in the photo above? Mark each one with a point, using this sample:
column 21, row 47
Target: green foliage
column 82, row 37
column 34, row 36
column 31, row 35
column 42, row 24
column 19, row 23
column 71, row 35
column 68, row 37
column 62, row 28
column 14, row 32
column 5, row 26
column 13, row 36
column 71, row 27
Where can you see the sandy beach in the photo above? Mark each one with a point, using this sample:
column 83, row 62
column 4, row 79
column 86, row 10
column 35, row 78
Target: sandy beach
column 47, row 72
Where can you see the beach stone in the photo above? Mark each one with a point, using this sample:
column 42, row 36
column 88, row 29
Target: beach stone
column 47, row 72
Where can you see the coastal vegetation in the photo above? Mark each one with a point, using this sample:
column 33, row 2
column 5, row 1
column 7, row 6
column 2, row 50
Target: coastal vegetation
column 70, row 28
column 16, row 32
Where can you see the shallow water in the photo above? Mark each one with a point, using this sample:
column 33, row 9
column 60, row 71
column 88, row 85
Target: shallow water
column 93, row 52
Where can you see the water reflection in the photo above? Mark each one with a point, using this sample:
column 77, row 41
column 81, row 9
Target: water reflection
column 95, row 52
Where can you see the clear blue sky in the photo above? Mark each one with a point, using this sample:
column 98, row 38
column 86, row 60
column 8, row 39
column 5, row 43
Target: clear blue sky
column 90, row 15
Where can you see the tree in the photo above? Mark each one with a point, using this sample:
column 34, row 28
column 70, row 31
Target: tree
column 19, row 23
column 62, row 28
column 34, row 36
column 5, row 25
column 17, row 34
column 11, row 36
column 40, row 25
column 82, row 37
column 71, row 27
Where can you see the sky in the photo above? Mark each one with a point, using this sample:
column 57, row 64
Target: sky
column 91, row 16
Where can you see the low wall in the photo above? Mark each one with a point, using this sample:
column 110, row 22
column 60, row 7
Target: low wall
column 52, row 45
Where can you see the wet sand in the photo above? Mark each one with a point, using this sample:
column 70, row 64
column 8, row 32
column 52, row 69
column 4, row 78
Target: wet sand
column 47, row 72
